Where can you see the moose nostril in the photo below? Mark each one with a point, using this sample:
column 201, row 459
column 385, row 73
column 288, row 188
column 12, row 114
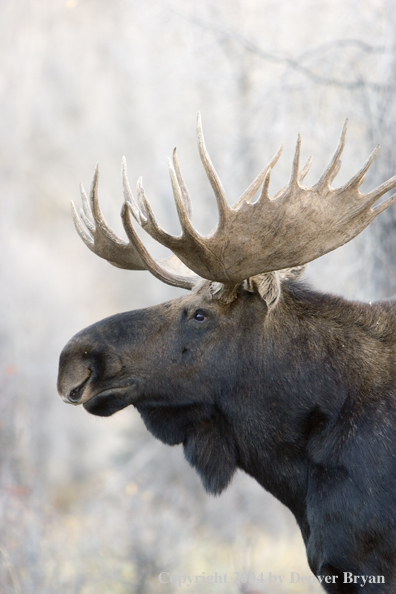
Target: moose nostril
column 75, row 393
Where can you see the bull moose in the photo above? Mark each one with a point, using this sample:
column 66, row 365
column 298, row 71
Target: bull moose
column 253, row 369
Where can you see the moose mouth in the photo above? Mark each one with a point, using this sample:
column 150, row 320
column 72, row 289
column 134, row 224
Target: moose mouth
column 110, row 401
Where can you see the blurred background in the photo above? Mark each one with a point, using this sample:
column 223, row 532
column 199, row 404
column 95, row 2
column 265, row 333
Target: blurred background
column 98, row 506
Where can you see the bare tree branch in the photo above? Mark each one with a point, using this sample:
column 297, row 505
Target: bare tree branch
column 297, row 63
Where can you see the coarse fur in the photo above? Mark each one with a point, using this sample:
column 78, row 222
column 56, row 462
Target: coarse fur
column 301, row 397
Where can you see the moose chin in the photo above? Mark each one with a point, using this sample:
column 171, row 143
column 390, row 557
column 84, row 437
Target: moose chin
column 253, row 369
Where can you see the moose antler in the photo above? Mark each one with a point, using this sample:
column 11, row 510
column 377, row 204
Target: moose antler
column 295, row 227
column 132, row 255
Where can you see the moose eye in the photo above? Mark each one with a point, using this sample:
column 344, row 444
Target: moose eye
column 199, row 316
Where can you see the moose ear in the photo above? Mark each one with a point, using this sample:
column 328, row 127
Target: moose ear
column 292, row 273
column 268, row 285
column 226, row 293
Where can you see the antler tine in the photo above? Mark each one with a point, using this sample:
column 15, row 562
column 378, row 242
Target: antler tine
column 85, row 212
column 93, row 197
column 85, row 202
column 328, row 173
column 335, row 172
column 358, row 178
column 373, row 196
column 102, row 234
column 264, row 195
column 136, row 210
column 150, row 224
column 142, row 200
column 294, row 178
column 248, row 194
column 169, row 270
column 87, row 239
column 222, row 203
column 101, row 240
column 100, row 230
column 305, row 170
column 185, row 222
column 384, row 205
column 301, row 174
column 183, row 188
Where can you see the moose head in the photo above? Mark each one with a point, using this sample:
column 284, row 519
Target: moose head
column 252, row 369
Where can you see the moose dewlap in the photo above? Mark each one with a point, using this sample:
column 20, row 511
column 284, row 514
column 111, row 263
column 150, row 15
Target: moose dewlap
column 254, row 370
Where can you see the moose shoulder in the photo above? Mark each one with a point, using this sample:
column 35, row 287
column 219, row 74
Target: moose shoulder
column 254, row 370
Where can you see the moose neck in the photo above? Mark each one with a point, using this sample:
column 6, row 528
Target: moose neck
column 319, row 356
